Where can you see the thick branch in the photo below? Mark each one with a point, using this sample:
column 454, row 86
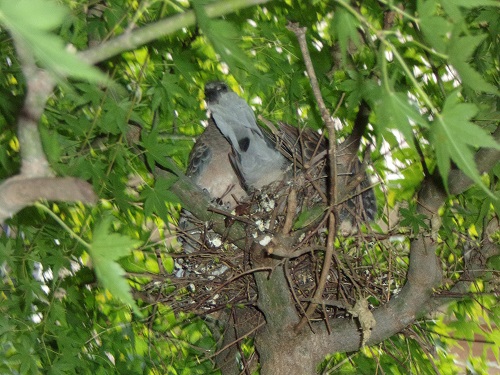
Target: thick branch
column 39, row 87
column 424, row 274
column 18, row 192
column 309, row 348
column 275, row 300
column 35, row 180
column 414, row 300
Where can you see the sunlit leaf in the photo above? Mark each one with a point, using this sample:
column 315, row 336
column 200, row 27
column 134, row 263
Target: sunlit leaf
column 118, row 139
column 396, row 111
column 434, row 27
column 105, row 249
column 223, row 36
column 48, row 48
column 49, row 13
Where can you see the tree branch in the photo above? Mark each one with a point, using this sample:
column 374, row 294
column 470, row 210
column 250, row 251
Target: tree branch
column 300, row 33
column 36, row 179
column 19, row 192
column 146, row 34
column 424, row 275
column 197, row 202
column 415, row 299
column 39, row 87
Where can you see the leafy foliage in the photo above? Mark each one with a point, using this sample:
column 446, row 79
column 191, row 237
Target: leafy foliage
column 430, row 74
column 34, row 33
column 105, row 249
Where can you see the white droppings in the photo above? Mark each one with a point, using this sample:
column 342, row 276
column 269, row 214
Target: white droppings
column 216, row 241
column 260, row 225
column 265, row 241
column 220, row 271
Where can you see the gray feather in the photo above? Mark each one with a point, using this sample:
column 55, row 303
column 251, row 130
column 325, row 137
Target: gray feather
column 257, row 161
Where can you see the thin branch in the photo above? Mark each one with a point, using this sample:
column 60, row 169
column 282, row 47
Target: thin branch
column 134, row 39
column 281, row 253
column 238, row 340
column 290, row 211
column 300, row 33
column 36, row 179
column 62, row 224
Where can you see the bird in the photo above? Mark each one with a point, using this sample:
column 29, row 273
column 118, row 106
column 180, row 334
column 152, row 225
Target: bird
column 254, row 156
column 260, row 158
column 209, row 167
column 234, row 156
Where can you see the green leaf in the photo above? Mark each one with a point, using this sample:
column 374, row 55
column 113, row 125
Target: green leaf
column 460, row 52
column 157, row 152
column 496, row 203
column 412, row 219
column 473, row 3
column 307, row 217
column 454, row 137
column 49, row 15
column 168, row 263
column 494, row 262
column 114, row 118
column 155, row 199
column 434, row 28
column 105, row 249
column 452, row 7
column 51, row 145
column 49, row 49
column 6, row 253
column 345, row 26
column 223, row 36
column 396, row 111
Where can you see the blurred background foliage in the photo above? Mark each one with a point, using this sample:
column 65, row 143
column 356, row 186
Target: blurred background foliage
column 429, row 70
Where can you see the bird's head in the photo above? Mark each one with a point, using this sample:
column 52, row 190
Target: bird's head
column 213, row 90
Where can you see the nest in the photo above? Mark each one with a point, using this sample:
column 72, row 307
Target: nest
column 290, row 220
column 212, row 273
